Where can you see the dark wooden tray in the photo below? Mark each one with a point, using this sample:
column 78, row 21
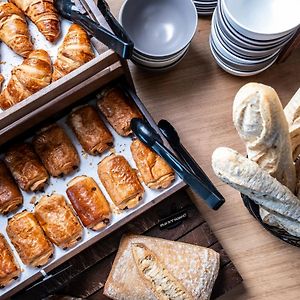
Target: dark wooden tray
column 84, row 275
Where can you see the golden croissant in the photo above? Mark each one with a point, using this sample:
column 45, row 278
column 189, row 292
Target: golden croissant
column 26, row 79
column 13, row 29
column 75, row 51
column 43, row 14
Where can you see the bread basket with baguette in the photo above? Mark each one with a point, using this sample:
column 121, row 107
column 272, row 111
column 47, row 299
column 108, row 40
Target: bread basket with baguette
column 268, row 178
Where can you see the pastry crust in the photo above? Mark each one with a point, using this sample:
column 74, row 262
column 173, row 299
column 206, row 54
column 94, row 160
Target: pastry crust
column 118, row 110
column 90, row 130
column 120, row 181
column 89, row 202
column 56, row 151
column 58, row 221
column 9, row 268
column 155, row 172
column 26, row 168
column 28, row 238
column 10, row 195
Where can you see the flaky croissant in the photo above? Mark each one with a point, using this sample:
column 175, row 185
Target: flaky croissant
column 75, row 51
column 43, row 14
column 13, row 29
column 26, row 79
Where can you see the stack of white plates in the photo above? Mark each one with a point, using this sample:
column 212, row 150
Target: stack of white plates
column 205, row 7
column 247, row 35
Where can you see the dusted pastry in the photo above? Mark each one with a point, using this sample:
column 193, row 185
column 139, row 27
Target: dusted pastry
column 90, row 130
column 26, row 79
column 75, row 51
column 155, row 172
column 58, row 221
column 28, row 238
column 9, row 269
column 120, row 181
column 26, row 168
column 10, row 195
column 118, row 110
column 43, row 14
column 89, row 202
column 56, row 151
column 14, row 30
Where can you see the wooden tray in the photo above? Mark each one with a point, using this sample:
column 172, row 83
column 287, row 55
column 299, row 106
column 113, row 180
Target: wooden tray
column 84, row 275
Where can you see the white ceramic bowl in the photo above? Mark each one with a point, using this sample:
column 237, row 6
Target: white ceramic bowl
column 159, row 28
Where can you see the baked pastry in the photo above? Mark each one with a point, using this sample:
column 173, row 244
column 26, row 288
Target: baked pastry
column 14, row 30
column 28, row 238
column 9, row 268
column 10, row 195
column 118, row 110
column 26, row 168
column 152, row 268
column 260, row 121
column 155, row 172
column 90, row 130
column 89, row 202
column 58, row 221
column 26, row 79
column 75, row 51
column 43, row 14
column 56, row 151
column 120, row 181
column 248, row 178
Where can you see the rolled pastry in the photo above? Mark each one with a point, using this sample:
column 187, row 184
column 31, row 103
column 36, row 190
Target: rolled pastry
column 56, row 151
column 90, row 130
column 9, row 268
column 120, row 181
column 118, row 110
column 155, row 172
column 26, row 168
column 58, row 221
column 10, row 195
column 28, row 238
column 89, row 202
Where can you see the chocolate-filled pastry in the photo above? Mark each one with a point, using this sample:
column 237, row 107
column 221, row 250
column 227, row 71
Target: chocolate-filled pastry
column 10, row 195
column 155, row 172
column 90, row 130
column 58, row 221
column 28, row 238
column 118, row 110
column 120, row 181
column 26, row 168
column 56, row 151
column 89, row 202
column 9, row 269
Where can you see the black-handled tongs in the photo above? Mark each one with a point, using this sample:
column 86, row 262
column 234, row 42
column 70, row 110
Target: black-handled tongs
column 116, row 40
column 147, row 134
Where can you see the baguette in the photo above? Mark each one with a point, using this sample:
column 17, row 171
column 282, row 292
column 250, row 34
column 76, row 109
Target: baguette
column 248, row 178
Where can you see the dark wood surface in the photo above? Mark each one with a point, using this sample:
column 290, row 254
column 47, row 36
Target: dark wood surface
column 84, row 275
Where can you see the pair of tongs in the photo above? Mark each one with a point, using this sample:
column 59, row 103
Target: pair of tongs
column 186, row 167
column 116, row 40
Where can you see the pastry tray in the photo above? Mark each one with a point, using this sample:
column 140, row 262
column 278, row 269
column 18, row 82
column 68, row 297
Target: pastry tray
column 88, row 166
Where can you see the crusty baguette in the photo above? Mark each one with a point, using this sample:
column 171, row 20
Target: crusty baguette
column 260, row 121
column 195, row 267
column 247, row 177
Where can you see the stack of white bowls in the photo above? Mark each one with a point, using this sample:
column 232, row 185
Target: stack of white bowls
column 205, row 7
column 248, row 35
column 161, row 30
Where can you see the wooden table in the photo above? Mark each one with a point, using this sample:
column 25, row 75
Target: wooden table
column 197, row 98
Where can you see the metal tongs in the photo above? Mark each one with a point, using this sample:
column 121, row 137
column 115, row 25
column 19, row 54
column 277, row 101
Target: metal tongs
column 116, row 40
column 187, row 169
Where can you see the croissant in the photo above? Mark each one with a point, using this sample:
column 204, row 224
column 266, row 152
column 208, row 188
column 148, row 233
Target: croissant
column 75, row 51
column 43, row 14
column 13, row 29
column 26, row 79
